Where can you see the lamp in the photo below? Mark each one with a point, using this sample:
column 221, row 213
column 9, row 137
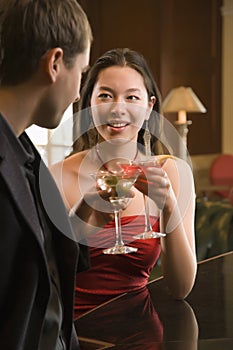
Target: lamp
column 182, row 100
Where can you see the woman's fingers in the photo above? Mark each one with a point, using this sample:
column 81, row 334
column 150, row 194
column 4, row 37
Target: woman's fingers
column 155, row 184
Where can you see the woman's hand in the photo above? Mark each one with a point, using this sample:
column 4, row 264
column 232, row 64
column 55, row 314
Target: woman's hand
column 94, row 208
column 154, row 182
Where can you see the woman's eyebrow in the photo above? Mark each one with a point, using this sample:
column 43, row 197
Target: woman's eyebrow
column 133, row 90
column 106, row 88
column 112, row 90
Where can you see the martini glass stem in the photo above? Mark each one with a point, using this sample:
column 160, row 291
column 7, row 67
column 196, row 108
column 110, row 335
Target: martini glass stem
column 147, row 214
column 119, row 241
column 119, row 247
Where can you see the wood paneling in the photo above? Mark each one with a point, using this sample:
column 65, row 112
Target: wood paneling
column 191, row 56
column 181, row 40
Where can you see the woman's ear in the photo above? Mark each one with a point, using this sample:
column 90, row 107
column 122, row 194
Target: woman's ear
column 53, row 63
column 151, row 103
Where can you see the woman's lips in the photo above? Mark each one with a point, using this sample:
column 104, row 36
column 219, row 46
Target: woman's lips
column 117, row 126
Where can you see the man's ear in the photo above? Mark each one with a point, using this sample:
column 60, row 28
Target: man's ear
column 53, row 63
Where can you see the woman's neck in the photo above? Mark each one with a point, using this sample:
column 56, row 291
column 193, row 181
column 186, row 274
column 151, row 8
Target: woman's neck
column 108, row 151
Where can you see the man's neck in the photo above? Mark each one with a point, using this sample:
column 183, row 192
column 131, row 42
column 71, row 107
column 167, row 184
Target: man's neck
column 15, row 107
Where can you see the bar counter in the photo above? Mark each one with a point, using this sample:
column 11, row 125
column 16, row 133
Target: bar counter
column 151, row 320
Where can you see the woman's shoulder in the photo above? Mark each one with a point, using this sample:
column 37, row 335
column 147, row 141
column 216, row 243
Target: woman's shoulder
column 180, row 173
column 169, row 161
column 65, row 174
column 69, row 164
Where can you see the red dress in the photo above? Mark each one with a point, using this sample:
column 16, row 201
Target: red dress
column 113, row 275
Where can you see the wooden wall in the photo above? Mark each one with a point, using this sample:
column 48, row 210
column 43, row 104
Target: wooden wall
column 181, row 40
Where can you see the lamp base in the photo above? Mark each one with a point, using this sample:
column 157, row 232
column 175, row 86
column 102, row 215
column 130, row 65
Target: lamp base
column 183, row 130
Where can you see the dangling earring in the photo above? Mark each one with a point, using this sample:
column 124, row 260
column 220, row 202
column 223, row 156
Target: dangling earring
column 146, row 139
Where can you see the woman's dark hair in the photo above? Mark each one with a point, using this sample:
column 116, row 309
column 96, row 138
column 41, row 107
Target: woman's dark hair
column 84, row 132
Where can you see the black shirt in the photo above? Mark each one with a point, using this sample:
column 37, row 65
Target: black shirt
column 51, row 335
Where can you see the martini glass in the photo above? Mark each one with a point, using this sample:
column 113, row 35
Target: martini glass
column 120, row 182
column 148, row 230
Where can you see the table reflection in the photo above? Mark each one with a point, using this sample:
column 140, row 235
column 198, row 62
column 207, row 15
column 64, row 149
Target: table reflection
column 134, row 322
column 151, row 319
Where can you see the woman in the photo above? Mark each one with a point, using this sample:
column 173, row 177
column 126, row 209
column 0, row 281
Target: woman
column 122, row 100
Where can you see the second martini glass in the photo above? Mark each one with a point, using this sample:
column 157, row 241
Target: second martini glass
column 143, row 165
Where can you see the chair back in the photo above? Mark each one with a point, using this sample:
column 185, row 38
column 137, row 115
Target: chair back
column 221, row 174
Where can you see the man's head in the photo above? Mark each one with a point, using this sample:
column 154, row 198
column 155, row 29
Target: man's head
column 44, row 49
column 29, row 28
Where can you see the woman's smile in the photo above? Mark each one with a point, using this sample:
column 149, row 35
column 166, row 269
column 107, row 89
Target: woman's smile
column 117, row 126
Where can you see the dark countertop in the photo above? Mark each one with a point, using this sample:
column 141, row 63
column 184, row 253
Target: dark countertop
column 150, row 319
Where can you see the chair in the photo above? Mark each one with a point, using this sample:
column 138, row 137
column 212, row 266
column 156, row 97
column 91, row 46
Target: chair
column 221, row 175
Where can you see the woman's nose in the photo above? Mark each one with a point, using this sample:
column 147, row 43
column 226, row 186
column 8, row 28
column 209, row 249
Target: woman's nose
column 118, row 108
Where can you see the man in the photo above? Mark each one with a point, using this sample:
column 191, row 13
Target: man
column 44, row 49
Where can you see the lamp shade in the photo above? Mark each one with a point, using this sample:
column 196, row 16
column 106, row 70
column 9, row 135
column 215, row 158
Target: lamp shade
column 182, row 98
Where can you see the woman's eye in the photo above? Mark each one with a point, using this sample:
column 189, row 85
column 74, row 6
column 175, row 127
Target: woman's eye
column 104, row 96
column 133, row 98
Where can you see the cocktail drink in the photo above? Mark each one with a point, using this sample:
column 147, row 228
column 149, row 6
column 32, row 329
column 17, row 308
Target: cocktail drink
column 120, row 183
column 143, row 165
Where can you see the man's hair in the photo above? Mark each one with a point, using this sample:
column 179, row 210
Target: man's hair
column 29, row 28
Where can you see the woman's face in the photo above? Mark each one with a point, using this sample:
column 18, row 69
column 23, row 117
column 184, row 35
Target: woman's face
column 119, row 104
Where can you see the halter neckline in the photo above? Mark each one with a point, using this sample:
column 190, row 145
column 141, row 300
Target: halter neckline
column 103, row 163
